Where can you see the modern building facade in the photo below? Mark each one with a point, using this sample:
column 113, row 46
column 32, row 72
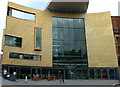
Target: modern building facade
column 67, row 41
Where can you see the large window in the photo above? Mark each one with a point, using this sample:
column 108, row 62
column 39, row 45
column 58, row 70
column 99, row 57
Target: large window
column 21, row 14
column 69, row 41
column 24, row 56
column 38, row 38
column 13, row 41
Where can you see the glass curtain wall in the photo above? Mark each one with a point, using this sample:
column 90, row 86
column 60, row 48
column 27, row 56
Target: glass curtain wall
column 69, row 42
column 81, row 73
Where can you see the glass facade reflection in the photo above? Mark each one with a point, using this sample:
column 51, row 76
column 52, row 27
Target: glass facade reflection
column 69, row 42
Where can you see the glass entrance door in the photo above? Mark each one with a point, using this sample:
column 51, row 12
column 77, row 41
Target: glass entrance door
column 36, row 71
column 25, row 71
column 14, row 69
column 71, row 74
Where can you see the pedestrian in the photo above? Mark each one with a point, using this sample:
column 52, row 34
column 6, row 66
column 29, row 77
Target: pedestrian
column 8, row 76
column 4, row 73
column 26, row 79
column 14, row 75
column 61, row 78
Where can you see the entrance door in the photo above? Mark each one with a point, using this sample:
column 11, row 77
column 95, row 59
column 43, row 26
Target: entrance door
column 25, row 71
column 56, row 73
column 36, row 71
column 71, row 74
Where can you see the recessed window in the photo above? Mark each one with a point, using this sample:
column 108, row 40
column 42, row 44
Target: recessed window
column 21, row 14
column 13, row 41
column 24, row 56
column 38, row 38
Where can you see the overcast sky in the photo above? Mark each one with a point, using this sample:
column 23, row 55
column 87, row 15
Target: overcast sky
column 95, row 6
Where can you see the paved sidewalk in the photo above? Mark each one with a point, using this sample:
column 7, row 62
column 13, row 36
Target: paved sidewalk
column 56, row 82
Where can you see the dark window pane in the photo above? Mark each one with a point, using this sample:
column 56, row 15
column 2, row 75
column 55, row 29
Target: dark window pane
column 83, row 47
column 55, row 43
column 80, row 74
column 38, row 38
column 70, row 23
column 14, row 55
column 60, row 33
column 35, row 57
column 98, row 74
column 13, row 41
column 72, row 49
column 66, row 48
column 81, row 23
column 91, row 74
column 55, row 35
column 76, row 23
column 82, row 34
column 55, row 52
column 54, row 22
column 104, row 74
column 38, row 57
column 31, row 57
column 65, row 22
column 60, row 49
column 11, row 55
column 59, row 22
column 77, row 34
column 65, row 33
column 71, row 34
column 85, row 74
column 18, row 42
column 60, row 53
column 60, row 44
column 6, row 40
column 111, row 74
column 77, row 48
column 24, row 56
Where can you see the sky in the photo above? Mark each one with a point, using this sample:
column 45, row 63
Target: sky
column 95, row 6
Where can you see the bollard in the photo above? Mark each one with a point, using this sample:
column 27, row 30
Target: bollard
column 26, row 79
